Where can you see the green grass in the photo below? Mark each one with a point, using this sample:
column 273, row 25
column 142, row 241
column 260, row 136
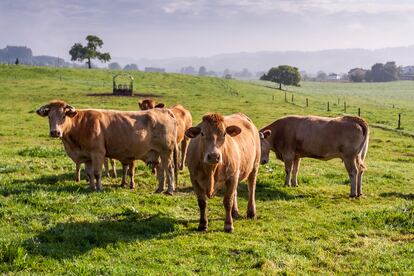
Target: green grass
column 51, row 224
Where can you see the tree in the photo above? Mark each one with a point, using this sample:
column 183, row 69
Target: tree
column 321, row 76
column 202, row 71
column 283, row 74
column 131, row 67
column 114, row 66
column 90, row 51
column 383, row 72
column 359, row 74
column 17, row 62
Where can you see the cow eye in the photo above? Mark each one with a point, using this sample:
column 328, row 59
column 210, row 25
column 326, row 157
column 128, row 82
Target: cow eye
column 224, row 135
column 202, row 134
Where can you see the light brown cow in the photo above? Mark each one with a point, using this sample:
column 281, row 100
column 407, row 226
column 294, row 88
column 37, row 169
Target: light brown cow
column 90, row 135
column 184, row 122
column 223, row 152
column 295, row 137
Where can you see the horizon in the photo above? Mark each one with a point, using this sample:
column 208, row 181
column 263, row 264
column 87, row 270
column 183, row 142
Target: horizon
column 141, row 30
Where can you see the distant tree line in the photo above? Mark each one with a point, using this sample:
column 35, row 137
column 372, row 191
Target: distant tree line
column 379, row 73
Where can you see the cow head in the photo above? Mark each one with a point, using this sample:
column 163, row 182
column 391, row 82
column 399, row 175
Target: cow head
column 212, row 132
column 149, row 104
column 57, row 111
column 264, row 146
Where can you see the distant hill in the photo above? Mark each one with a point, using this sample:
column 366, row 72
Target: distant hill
column 335, row 60
column 25, row 56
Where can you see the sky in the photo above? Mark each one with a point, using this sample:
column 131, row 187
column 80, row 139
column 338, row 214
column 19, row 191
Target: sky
column 180, row 28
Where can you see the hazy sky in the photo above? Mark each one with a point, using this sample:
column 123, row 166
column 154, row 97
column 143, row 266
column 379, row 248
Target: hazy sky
column 160, row 29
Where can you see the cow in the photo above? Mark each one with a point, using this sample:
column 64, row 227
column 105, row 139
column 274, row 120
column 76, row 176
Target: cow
column 223, row 151
column 296, row 137
column 90, row 135
column 184, row 122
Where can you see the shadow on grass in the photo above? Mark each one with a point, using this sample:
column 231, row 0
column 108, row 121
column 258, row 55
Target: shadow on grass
column 50, row 183
column 400, row 195
column 71, row 239
column 268, row 191
column 134, row 95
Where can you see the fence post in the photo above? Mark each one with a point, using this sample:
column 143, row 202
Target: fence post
column 338, row 101
column 273, row 97
column 285, row 97
column 344, row 107
column 399, row 121
column 307, row 102
column 359, row 112
column 292, row 97
column 328, row 107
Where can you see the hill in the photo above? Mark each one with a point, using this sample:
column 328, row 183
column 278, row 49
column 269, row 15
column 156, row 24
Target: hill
column 51, row 224
column 333, row 60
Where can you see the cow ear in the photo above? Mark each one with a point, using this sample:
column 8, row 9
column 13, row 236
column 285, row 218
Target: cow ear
column 43, row 111
column 265, row 133
column 233, row 130
column 70, row 111
column 160, row 105
column 192, row 132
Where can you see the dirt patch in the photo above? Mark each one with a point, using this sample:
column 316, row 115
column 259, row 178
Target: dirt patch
column 135, row 95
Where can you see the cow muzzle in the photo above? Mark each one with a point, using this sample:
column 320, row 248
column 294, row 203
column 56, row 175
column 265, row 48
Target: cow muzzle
column 263, row 161
column 55, row 133
column 213, row 158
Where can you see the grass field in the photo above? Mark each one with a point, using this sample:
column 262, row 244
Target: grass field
column 51, row 224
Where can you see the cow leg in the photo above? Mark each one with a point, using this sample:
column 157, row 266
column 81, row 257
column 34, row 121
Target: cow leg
column 359, row 182
column 168, row 168
column 235, row 208
column 132, row 175
column 77, row 172
column 228, row 204
column 113, row 166
column 202, row 205
column 160, row 177
column 251, row 205
column 97, row 163
column 352, row 169
column 296, row 163
column 106, row 165
column 184, row 146
column 288, row 169
column 124, row 174
column 89, row 173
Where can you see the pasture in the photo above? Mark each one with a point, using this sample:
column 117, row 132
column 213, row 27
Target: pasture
column 51, row 224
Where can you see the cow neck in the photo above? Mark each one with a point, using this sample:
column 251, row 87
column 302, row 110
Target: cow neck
column 69, row 127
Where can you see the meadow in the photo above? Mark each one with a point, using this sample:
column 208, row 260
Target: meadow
column 49, row 224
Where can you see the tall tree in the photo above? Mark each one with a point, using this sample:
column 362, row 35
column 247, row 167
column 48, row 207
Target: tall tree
column 283, row 74
column 90, row 51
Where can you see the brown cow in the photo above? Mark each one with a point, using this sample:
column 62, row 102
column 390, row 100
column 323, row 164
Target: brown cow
column 90, row 135
column 295, row 137
column 184, row 122
column 223, row 152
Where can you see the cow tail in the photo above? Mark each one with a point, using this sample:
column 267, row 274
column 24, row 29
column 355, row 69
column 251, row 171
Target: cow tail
column 364, row 146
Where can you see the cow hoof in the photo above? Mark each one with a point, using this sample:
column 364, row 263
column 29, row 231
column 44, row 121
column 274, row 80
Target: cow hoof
column 352, row 196
column 131, row 187
column 158, row 191
column 359, row 195
column 123, row 185
column 228, row 228
column 202, row 228
column 251, row 214
column 170, row 193
column 235, row 214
